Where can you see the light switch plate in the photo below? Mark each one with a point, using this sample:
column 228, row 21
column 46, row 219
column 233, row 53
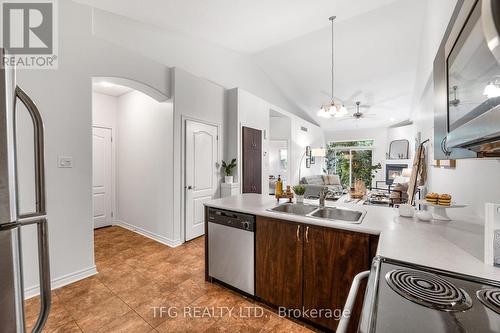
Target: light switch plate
column 65, row 162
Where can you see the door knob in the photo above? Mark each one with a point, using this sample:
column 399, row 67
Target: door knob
column 189, row 187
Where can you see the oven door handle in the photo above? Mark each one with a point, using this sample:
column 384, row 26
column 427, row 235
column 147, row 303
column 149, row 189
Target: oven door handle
column 349, row 303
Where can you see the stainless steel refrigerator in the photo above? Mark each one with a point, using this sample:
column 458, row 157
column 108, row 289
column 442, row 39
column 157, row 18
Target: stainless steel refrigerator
column 11, row 219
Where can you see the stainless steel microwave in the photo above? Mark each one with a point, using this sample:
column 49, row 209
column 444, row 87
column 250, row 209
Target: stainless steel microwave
column 467, row 83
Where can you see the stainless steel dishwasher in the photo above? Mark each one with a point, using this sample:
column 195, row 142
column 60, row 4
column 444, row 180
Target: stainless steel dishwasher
column 231, row 256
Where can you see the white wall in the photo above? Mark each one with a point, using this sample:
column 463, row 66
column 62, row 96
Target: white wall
column 245, row 109
column 144, row 168
column 226, row 67
column 104, row 110
column 198, row 99
column 474, row 181
column 280, row 128
column 314, row 137
column 378, row 135
column 64, row 99
column 275, row 167
column 437, row 16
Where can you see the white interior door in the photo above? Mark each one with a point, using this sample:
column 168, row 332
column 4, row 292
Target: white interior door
column 202, row 155
column 101, row 179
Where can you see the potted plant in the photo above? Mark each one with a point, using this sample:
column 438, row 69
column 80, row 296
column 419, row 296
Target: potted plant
column 299, row 192
column 228, row 170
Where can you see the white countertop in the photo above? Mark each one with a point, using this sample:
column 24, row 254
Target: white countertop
column 455, row 246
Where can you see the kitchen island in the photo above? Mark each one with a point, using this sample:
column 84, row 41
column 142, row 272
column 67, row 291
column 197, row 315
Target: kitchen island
column 456, row 246
column 309, row 263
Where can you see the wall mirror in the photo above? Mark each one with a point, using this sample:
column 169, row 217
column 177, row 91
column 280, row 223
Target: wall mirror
column 398, row 149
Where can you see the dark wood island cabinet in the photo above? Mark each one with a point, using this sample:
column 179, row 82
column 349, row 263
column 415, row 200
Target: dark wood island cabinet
column 279, row 262
column 299, row 266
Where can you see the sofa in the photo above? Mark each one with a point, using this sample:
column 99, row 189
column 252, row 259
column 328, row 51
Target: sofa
column 314, row 184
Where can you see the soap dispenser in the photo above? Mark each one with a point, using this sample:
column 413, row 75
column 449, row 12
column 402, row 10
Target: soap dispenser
column 279, row 186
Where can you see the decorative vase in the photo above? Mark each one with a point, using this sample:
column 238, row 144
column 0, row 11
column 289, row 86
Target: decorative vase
column 228, row 179
column 300, row 198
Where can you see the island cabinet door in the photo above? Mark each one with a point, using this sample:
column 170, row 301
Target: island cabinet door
column 278, row 262
column 332, row 258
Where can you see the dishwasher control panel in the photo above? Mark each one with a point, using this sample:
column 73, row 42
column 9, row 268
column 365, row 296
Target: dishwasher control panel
column 232, row 219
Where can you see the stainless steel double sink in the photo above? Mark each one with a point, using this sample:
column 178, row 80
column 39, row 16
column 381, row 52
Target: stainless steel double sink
column 334, row 214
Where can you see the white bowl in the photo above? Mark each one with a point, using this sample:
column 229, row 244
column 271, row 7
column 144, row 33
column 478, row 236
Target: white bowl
column 406, row 210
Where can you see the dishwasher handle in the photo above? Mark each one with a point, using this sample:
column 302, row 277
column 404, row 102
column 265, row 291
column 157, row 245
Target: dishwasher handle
column 351, row 300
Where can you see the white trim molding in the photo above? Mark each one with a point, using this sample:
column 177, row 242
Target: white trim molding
column 62, row 281
column 160, row 239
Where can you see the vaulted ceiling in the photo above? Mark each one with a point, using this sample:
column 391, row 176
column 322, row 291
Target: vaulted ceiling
column 376, row 60
column 376, row 46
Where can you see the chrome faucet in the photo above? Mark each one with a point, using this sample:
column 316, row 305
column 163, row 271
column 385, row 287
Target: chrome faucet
column 322, row 196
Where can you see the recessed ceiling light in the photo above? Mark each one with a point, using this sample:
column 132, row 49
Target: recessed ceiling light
column 392, row 119
column 107, row 84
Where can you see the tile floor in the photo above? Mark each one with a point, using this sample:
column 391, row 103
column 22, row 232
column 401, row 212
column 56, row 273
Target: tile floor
column 138, row 277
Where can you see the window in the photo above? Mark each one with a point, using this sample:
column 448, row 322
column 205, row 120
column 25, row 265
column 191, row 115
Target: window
column 283, row 158
column 351, row 160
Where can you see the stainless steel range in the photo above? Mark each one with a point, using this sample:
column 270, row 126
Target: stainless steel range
column 403, row 297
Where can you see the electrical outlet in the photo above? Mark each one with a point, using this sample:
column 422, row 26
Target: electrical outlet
column 65, row 162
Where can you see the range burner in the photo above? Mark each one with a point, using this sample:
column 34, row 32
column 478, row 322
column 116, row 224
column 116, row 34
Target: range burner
column 490, row 298
column 428, row 290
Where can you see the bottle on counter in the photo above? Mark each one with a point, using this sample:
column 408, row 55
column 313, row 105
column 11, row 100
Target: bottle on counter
column 279, row 186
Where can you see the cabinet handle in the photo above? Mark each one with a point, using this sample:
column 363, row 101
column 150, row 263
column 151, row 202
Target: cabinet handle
column 307, row 234
column 298, row 233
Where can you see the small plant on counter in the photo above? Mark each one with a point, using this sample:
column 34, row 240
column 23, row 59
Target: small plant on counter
column 299, row 189
column 228, row 168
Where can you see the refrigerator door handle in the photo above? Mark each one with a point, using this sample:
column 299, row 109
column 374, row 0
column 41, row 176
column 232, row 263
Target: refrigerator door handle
column 36, row 118
column 44, row 274
column 43, row 265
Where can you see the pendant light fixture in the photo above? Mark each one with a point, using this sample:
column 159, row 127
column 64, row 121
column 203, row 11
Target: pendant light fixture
column 332, row 108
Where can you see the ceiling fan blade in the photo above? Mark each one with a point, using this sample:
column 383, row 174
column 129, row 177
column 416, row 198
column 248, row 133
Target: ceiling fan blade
column 352, row 98
column 361, row 107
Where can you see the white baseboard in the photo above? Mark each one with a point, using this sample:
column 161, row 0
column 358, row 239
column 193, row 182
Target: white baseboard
column 146, row 233
column 62, row 281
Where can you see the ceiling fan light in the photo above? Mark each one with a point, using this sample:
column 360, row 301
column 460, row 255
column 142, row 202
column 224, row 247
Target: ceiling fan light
column 324, row 113
column 342, row 110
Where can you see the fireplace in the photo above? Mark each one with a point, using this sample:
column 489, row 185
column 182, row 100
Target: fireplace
column 392, row 171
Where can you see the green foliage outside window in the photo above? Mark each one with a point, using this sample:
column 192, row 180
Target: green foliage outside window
column 338, row 161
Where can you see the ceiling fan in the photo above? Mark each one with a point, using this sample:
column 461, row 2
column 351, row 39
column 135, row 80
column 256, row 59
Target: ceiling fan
column 369, row 97
column 357, row 115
